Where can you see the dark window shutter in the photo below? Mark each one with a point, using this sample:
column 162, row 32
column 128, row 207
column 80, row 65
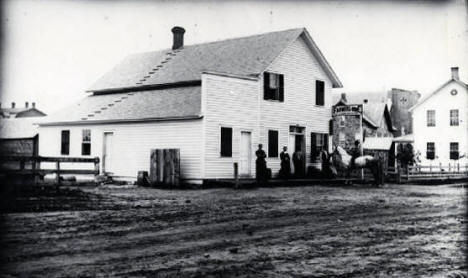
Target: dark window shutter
column 319, row 92
column 272, row 143
column 226, row 141
column 330, row 127
column 65, row 146
column 313, row 146
column 281, row 87
column 325, row 142
column 266, row 85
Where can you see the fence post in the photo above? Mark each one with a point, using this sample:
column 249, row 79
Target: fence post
column 57, row 178
column 458, row 167
column 399, row 174
column 236, row 175
column 450, row 168
column 440, row 167
column 430, row 168
column 96, row 166
column 407, row 172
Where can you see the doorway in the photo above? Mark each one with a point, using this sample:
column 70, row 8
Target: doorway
column 107, row 152
column 296, row 142
column 245, row 154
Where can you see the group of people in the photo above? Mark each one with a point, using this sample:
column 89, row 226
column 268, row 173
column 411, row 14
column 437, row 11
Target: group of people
column 285, row 170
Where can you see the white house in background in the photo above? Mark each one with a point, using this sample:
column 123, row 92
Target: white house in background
column 440, row 124
column 214, row 101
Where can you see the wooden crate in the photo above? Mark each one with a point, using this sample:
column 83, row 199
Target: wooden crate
column 165, row 167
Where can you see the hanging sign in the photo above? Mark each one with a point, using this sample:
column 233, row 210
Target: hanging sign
column 353, row 109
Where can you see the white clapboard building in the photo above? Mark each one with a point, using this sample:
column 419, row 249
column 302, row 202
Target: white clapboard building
column 440, row 124
column 214, row 101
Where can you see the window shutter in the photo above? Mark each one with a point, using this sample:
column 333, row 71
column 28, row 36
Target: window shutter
column 313, row 146
column 325, row 142
column 266, row 85
column 272, row 143
column 226, row 141
column 330, row 127
column 281, row 88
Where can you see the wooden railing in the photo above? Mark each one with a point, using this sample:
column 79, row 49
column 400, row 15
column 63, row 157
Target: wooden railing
column 428, row 172
column 30, row 165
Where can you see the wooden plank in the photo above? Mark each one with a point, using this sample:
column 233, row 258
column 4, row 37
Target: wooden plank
column 48, row 171
column 48, row 159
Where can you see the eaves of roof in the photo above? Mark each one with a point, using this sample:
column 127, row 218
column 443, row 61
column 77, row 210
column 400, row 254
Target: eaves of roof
column 436, row 91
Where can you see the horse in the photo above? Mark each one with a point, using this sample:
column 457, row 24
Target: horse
column 342, row 160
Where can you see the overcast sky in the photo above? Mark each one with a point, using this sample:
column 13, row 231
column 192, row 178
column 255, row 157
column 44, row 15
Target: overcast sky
column 54, row 50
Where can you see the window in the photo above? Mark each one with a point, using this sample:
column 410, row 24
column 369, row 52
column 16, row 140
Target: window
column 319, row 92
column 272, row 143
column 273, row 86
column 454, row 117
column 430, row 150
column 86, row 142
column 318, row 142
column 431, row 118
column 454, row 150
column 65, row 147
column 226, row 141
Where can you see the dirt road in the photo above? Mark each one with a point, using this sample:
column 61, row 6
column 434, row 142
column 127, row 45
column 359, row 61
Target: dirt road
column 400, row 231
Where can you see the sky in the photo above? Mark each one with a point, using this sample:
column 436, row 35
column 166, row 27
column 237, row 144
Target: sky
column 52, row 51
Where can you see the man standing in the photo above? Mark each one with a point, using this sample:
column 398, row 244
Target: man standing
column 298, row 160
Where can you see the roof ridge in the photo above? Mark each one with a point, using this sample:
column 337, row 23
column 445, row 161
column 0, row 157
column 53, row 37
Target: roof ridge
column 221, row 40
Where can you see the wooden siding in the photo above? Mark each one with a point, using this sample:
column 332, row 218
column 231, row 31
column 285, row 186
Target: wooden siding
column 228, row 102
column 132, row 144
column 301, row 69
column 442, row 134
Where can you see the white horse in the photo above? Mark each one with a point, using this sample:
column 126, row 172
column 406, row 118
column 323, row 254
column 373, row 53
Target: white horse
column 342, row 160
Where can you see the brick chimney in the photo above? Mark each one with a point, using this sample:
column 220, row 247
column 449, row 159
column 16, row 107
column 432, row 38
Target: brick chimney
column 455, row 73
column 26, row 104
column 33, row 105
column 178, row 41
column 13, row 105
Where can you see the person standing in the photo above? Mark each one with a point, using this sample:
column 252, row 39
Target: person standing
column 285, row 170
column 298, row 161
column 260, row 163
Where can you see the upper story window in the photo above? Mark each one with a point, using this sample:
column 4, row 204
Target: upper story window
column 319, row 93
column 86, row 142
column 273, row 86
column 454, row 150
column 226, row 142
column 430, row 150
column 454, row 117
column 65, row 146
column 431, row 118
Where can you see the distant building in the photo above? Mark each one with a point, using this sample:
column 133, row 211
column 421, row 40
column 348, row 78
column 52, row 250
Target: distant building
column 23, row 112
column 401, row 102
column 372, row 126
column 440, row 128
column 214, row 101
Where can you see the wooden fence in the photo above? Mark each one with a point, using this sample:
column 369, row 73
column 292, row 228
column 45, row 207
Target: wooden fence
column 16, row 166
column 427, row 172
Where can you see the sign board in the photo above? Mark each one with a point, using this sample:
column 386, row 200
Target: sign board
column 353, row 109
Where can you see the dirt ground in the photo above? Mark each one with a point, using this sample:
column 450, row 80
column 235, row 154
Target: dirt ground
column 310, row 231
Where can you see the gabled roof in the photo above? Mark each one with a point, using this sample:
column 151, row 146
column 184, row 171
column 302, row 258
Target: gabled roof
column 8, row 112
column 152, row 105
column 246, row 56
column 374, row 111
column 438, row 90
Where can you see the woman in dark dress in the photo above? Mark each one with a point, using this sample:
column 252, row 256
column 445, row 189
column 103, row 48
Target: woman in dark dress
column 260, row 163
column 285, row 171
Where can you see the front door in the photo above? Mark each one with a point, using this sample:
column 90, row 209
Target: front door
column 107, row 152
column 245, row 154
